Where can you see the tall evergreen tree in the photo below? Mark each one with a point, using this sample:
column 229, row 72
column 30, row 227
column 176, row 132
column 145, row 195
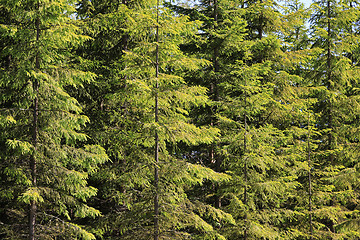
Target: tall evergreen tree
column 249, row 92
column 297, row 119
column 181, row 93
column 128, row 126
column 44, row 165
column 335, row 187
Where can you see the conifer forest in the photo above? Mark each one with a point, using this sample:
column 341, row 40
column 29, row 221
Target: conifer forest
column 179, row 119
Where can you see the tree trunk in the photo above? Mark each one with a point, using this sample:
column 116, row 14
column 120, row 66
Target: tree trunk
column 214, row 91
column 245, row 163
column 309, row 178
column 260, row 27
column 156, row 167
column 330, row 87
column 33, row 206
column 330, row 106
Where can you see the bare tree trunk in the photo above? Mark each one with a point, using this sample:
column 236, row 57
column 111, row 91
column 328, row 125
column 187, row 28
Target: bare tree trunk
column 245, row 164
column 33, row 206
column 330, row 88
column 214, row 91
column 156, row 167
column 261, row 21
column 329, row 73
column 309, row 178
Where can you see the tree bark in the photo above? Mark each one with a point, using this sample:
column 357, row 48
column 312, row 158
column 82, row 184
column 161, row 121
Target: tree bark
column 330, row 105
column 309, row 178
column 261, row 21
column 245, row 163
column 33, row 206
column 156, row 167
column 329, row 73
column 214, row 91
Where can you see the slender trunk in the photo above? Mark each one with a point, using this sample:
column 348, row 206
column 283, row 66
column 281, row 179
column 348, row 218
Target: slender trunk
column 245, row 163
column 124, row 44
column 330, row 136
column 156, row 167
column 214, row 88
column 33, row 206
column 261, row 21
column 309, row 176
column 351, row 25
column 330, row 88
column 216, row 48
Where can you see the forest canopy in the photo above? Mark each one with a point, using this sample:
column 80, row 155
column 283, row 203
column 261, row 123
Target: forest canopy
column 159, row 119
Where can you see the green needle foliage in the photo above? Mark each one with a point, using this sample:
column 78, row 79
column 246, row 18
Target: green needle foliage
column 335, row 189
column 254, row 106
column 248, row 98
column 128, row 126
column 44, row 163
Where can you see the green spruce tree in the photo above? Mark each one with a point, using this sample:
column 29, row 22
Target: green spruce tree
column 335, row 186
column 250, row 97
column 44, row 165
column 125, row 97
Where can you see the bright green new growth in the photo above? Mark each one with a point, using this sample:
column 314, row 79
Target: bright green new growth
column 257, row 119
column 41, row 66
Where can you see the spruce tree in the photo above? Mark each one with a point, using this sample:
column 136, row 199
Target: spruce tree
column 335, row 188
column 248, row 102
column 128, row 127
column 44, row 165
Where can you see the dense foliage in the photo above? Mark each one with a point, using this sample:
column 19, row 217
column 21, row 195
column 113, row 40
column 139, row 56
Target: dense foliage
column 210, row 119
